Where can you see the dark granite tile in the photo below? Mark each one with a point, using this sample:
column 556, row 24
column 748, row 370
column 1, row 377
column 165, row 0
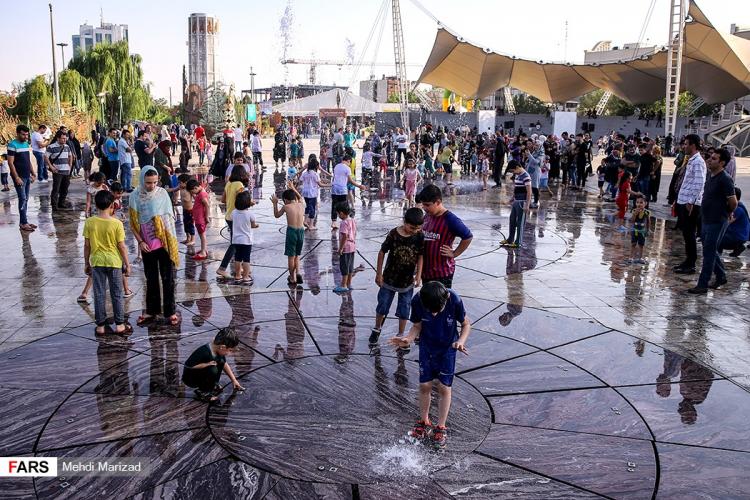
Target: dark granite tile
column 601, row 411
column 479, row 477
column 142, row 376
column 328, row 304
column 353, row 406
column 691, row 472
column 485, row 348
column 536, row 372
column 227, row 478
column 91, row 418
column 286, row 489
column 278, row 340
column 24, row 413
column 620, row 359
column 167, row 456
column 239, row 309
column 478, row 308
column 59, row 362
column 538, row 328
column 411, row 489
column 21, row 488
column 597, row 463
column 706, row 413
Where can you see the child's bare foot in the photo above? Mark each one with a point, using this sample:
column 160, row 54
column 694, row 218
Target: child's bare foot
column 100, row 330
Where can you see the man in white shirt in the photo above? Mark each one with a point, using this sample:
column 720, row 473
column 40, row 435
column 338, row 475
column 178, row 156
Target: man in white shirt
column 689, row 200
column 39, row 142
column 238, row 138
column 402, row 144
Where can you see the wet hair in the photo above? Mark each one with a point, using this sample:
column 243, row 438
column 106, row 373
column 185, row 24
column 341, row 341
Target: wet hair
column 343, row 208
column 21, row 128
column 313, row 163
column 430, row 194
column 192, row 184
column 243, row 201
column 98, row 177
column 239, row 175
column 724, row 155
column 414, row 216
column 184, row 178
column 434, row 295
column 289, row 195
column 639, row 197
column 104, row 199
column 116, row 187
column 347, row 157
column 227, row 337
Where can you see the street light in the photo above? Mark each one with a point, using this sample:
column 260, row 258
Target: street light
column 101, row 96
column 62, row 46
column 119, row 98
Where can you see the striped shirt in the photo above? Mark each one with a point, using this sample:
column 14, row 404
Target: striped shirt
column 519, row 185
column 58, row 155
column 691, row 190
column 438, row 231
column 21, row 154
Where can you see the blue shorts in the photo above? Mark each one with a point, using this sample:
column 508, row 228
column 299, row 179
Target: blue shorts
column 385, row 299
column 311, row 205
column 543, row 183
column 440, row 365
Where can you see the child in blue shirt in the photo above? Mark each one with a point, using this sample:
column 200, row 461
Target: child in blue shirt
column 436, row 313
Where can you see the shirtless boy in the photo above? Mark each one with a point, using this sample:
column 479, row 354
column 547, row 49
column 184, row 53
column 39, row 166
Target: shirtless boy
column 294, row 208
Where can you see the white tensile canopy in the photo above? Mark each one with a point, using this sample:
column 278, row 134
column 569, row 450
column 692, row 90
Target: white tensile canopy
column 331, row 99
column 715, row 67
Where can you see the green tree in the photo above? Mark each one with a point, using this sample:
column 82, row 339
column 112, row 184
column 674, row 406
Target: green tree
column 117, row 74
column 35, row 98
column 525, row 103
column 411, row 97
column 77, row 90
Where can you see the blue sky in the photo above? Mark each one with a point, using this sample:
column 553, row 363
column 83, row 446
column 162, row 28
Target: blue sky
column 249, row 33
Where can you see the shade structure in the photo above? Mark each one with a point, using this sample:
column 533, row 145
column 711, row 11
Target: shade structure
column 715, row 67
column 331, row 99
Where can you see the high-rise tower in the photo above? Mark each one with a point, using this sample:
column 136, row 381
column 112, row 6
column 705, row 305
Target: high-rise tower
column 203, row 33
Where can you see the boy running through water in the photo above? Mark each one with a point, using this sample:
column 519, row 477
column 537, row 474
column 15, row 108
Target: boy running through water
column 436, row 313
column 294, row 208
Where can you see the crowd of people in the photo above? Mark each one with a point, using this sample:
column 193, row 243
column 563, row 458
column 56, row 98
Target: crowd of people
column 419, row 253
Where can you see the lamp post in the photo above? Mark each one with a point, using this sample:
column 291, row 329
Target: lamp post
column 119, row 99
column 102, row 96
column 62, row 46
column 56, row 88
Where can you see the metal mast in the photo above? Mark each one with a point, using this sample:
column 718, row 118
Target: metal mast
column 674, row 63
column 398, row 51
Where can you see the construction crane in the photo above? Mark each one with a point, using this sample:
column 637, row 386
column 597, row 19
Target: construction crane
column 314, row 63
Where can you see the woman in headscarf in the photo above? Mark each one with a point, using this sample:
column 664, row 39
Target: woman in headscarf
column 163, row 164
column 152, row 223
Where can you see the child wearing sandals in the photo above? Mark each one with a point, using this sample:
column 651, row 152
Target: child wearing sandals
column 205, row 365
column 106, row 260
column 243, row 223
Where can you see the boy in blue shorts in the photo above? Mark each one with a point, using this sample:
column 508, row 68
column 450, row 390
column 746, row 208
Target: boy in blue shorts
column 436, row 313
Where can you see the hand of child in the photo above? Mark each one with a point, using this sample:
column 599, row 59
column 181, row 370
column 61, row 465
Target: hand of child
column 446, row 251
column 399, row 341
column 274, row 200
column 237, row 387
column 459, row 346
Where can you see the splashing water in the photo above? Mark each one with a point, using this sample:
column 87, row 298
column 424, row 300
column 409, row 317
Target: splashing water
column 401, row 460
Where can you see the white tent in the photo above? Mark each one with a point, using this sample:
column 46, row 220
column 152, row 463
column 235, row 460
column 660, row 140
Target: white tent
column 331, row 99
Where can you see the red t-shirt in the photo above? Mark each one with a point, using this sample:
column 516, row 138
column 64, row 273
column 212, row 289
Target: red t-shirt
column 199, row 132
column 199, row 210
column 622, row 192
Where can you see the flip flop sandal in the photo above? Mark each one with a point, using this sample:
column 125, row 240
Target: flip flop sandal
column 126, row 332
column 199, row 257
column 173, row 320
column 145, row 320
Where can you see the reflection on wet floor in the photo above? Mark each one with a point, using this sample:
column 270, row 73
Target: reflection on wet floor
column 576, row 357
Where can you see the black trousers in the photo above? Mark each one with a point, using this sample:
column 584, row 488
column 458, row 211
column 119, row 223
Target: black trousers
column 204, row 379
column 160, row 274
column 688, row 224
column 335, row 200
column 258, row 158
column 497, row 172
column 60, row 185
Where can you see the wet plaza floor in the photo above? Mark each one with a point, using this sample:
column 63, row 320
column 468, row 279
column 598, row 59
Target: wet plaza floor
column 586, row 377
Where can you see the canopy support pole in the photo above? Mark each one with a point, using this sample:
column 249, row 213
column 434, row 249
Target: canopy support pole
column 398, row 51
column 677, row 14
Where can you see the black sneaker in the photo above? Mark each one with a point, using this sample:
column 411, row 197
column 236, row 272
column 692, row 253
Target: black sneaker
column 698, row 290
column 718, row 283
column 737, row 251
column 374, row 336
column 685, row 270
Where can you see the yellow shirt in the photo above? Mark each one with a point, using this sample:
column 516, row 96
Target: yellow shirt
column 231, row 189
column 104, row 235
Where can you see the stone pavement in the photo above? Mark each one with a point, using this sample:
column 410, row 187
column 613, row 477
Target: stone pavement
column 586, row 377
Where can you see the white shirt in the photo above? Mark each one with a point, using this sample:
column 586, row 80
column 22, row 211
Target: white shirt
column 402, row 142
column 238, row 134
column 4, row 168
column 242, row 227
column 310, row 187
column 341, row 173
column 691, row 190
column 255, row 144
column 36, row 140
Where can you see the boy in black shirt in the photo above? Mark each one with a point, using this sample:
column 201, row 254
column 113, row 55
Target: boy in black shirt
column 203, row 368
column 403, row 270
